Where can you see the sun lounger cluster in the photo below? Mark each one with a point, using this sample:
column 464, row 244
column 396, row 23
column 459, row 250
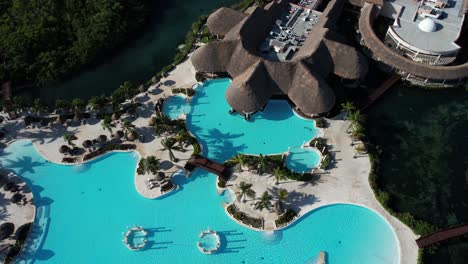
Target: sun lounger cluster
column 152, row 183
column 130, row 235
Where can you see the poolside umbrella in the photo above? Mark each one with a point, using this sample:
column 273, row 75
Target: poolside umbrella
column 9, row 186
column 59, row 120
column 64, row 149
column 151, row 122
column 87, row 143
column 76, row 118
column 102, row 139
column 114, row 116
column 154, row 80
column 133, row 135
column 141, row 88
column 119, row 134
column 6, row 229
column 16, row 198
column 160, row 176
column 44, row 122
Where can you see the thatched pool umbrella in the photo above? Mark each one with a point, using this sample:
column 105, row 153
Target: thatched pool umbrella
column 6, row 230
column 87, row 143
column 152, row 122
column 16, row 198
column 44, row 122
column 119, row 134
column 63, row 149
column 9, row 186
column 115, row 116
column 132, row 135
column 76, row 118
column 154, row 80
column 141, row 88
column 160, row 176
column 59, row 120
column 102, row 139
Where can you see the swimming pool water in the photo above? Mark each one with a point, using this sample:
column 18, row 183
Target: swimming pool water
column 83, row 210
column 175, row 106
column 302, row 160
column 223, row 135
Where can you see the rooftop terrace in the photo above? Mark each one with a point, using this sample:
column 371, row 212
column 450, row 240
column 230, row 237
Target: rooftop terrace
column 408, row 15
column 290, row 31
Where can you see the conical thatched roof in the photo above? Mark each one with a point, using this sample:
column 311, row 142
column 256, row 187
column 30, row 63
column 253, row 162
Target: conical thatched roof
column 223, row 19
column 249, row 92
column 302, row 79
column 310, row 93
column 119, row 134
column 64, row 149
column 102, row 139
column 345, row 58
column 59, row 120
column 133, row 135
column 160, row 176
column 115, row 116
column 87, row 143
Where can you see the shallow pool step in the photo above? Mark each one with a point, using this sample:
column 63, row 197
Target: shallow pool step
column 321, row 258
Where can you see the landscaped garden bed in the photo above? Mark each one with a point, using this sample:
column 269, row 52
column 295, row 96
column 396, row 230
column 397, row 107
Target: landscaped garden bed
column 244, row 218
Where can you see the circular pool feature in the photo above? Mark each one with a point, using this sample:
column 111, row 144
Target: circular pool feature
column 135, row 238
column 302, row 159
column 209, row 242
column 176, row 106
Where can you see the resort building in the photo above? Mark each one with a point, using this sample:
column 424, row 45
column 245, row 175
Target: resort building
column 421, row 44
column 283, row 50
column 425, row 31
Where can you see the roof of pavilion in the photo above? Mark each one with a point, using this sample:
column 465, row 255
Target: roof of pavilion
column 256, row 79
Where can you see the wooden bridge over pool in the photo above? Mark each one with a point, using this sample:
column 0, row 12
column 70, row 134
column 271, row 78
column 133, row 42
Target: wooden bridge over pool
column 198, row 161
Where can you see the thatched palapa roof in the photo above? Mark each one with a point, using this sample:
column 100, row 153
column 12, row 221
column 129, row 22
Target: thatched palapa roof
column 223, row 19
column 256, row 79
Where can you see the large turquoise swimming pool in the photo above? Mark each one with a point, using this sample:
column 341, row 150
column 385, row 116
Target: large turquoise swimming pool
column 83, row 210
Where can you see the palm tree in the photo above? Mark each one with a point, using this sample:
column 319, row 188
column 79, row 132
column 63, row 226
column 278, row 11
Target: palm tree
column 356, row 118
column 107, row 124
column 151, row 164
column 347, row 107
column 357, row 133
column 261, row 164
column 69, row 138
column 78, row 105
column 239, row 159
column 245, row 189
column 182, row 137
column 169, row 145
column 127, row 126
column 279, row 175
column 264, row 202
column 37, row 106
column 282, row 197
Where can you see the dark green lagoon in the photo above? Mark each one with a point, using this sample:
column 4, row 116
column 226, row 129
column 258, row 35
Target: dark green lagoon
column 142, row 57
column 424, row 138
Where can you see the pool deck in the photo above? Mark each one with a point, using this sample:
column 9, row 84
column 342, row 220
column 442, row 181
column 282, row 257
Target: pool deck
column 48, row 141
column 18, row 214
column 346, row 182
